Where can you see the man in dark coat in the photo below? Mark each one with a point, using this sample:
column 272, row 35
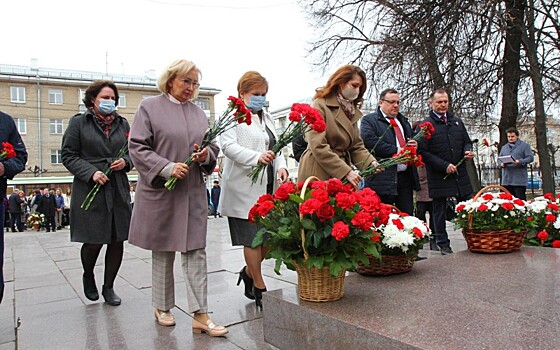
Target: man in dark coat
column 215, row 197
column 15, row 211
column 442, row 153
column 8, row 169
column 396, row 184
column 47, row 206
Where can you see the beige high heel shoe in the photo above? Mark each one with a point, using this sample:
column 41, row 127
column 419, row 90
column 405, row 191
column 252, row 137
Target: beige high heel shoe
column 210, row 328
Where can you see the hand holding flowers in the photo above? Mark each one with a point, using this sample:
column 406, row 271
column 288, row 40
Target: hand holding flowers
column 236, row 113
column 7, row 151
column 100, row 178
column 302, row 118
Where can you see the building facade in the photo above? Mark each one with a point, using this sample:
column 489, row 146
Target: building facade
column 42, row 101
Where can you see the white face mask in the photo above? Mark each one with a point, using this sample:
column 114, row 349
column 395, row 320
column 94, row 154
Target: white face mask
column 350, row 93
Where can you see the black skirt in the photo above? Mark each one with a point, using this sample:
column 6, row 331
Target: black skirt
column 242, row 232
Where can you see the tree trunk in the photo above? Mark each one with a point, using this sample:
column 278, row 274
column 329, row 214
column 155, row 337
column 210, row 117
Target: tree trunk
column 515, row 11
column 530, row 45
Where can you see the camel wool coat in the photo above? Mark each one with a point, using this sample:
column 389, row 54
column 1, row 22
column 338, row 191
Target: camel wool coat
column 162, row 132
column 331, row 154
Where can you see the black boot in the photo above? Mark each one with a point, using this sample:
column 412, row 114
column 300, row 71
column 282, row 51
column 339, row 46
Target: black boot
column 248, row 283
column 110, row 296
column 90, row 290
column 258, row 296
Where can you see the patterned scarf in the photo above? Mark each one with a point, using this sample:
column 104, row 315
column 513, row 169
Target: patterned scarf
column 105, row 122
column 347, row 106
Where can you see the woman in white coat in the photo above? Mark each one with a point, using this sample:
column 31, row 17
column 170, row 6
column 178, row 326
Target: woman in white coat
column 245, row 147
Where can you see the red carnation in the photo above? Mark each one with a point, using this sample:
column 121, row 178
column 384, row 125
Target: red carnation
column 265, row 207
column 556, row 243
column 549, row 196
column 417, row 232
column 483, row 207
column 340, row 230
column 362, row 220
column 550, row 217
column 553, row 206
column 508, row 206
column 346, row 200
column 325, row 212
column 460, row 207
column 264, row 198
column 543, row 235
column 519, row 202
column 283, row 192
column 398, row 223
column 488, row 196
column 334, row 186
column 310, row 206
column 320, row 195
column 506, row 196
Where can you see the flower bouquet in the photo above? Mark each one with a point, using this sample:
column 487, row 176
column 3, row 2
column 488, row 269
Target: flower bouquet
column 407, row 155
column 35, row 220
column 302, row 118
column 401, row 238
column 235, row 113
column 543, row 222
column 321, row 229
column 7, row 151
column 493, row 222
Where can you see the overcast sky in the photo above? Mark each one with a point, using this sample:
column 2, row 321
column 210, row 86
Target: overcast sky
column 224, row 38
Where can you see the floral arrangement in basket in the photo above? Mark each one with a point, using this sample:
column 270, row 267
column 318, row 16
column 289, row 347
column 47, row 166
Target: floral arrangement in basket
column 403, row 234
column 493, row 222
column 492, row 211
column 337, row 225
column 543, row 222
column 35, row 219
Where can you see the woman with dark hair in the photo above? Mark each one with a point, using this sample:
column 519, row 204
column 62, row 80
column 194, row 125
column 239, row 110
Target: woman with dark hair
column 90, row 143
column 334, row 152
column 244, row 147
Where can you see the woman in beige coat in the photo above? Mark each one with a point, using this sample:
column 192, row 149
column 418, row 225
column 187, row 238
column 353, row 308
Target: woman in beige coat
column 334, row 152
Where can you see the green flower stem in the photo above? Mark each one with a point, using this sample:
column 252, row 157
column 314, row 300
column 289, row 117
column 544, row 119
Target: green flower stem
column 456, row 166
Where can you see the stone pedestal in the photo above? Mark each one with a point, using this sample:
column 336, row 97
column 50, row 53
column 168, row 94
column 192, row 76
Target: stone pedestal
column 460, row 301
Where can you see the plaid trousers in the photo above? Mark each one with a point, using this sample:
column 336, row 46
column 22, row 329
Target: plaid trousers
column 195, row 272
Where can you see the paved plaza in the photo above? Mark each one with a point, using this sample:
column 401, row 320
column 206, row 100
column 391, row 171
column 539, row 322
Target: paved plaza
column 44, row 306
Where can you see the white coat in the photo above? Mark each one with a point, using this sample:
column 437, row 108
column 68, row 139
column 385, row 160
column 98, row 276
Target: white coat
column 242, row 147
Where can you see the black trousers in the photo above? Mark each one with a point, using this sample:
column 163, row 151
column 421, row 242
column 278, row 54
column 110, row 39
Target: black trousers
column 517, row 191
column 50, row 224
column 15, row 222
column 403, row 200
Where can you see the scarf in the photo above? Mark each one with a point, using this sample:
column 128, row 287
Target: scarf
column 105, row 122
column 347, row 106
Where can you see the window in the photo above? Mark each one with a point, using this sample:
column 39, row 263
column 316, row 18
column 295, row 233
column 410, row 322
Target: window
column 56, row 156
column 17, row 94
column 122, row 101
column 55, row 97
column 203, row 102
column 81, row 106
column 21, row 124
column 56, row 126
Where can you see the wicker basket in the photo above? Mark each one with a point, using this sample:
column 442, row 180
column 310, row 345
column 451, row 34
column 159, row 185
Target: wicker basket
column 492, row 241
column 317, row 284
column 389, row 265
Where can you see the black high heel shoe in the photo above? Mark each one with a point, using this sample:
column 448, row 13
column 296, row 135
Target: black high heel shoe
column 258, row 296
column 110, row 296
column 248, row 283
column 90, row 290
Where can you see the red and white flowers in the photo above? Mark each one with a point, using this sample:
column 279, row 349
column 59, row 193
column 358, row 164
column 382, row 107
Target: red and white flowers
column 403, row 233
column 493, row 211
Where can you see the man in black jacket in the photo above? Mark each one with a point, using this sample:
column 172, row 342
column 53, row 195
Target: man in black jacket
column 8, row 169
column 47, row 206
column 385, row 132
column 15, row 211
column 442, row 153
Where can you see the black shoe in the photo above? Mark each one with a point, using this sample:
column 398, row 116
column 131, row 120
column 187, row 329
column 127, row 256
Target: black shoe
column 418, row 258
column 59, row 227
column 248, row 282
column 258, row 296
column 110, row 296
column 433, row 245
column 90, row 290
column 445, row 250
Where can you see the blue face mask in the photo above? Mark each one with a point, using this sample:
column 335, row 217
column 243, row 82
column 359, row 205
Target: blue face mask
column 256, row 103
column 106, row 107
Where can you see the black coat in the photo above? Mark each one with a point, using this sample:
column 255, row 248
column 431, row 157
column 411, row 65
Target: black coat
column 382, row 143
column 15, row 203
column 215, row 195
column 47, row 205
column 15, row 165
column 447, row 146
column 85, row 150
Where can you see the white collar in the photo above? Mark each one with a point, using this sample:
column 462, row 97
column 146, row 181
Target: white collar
column 174, row 100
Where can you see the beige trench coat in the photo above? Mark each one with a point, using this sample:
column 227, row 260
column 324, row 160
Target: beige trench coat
column 330, row 154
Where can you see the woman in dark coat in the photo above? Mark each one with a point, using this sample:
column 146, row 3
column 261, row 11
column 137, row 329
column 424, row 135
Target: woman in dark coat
column 89, row 146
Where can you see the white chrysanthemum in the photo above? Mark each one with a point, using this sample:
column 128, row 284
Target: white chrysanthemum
column 557, row 223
